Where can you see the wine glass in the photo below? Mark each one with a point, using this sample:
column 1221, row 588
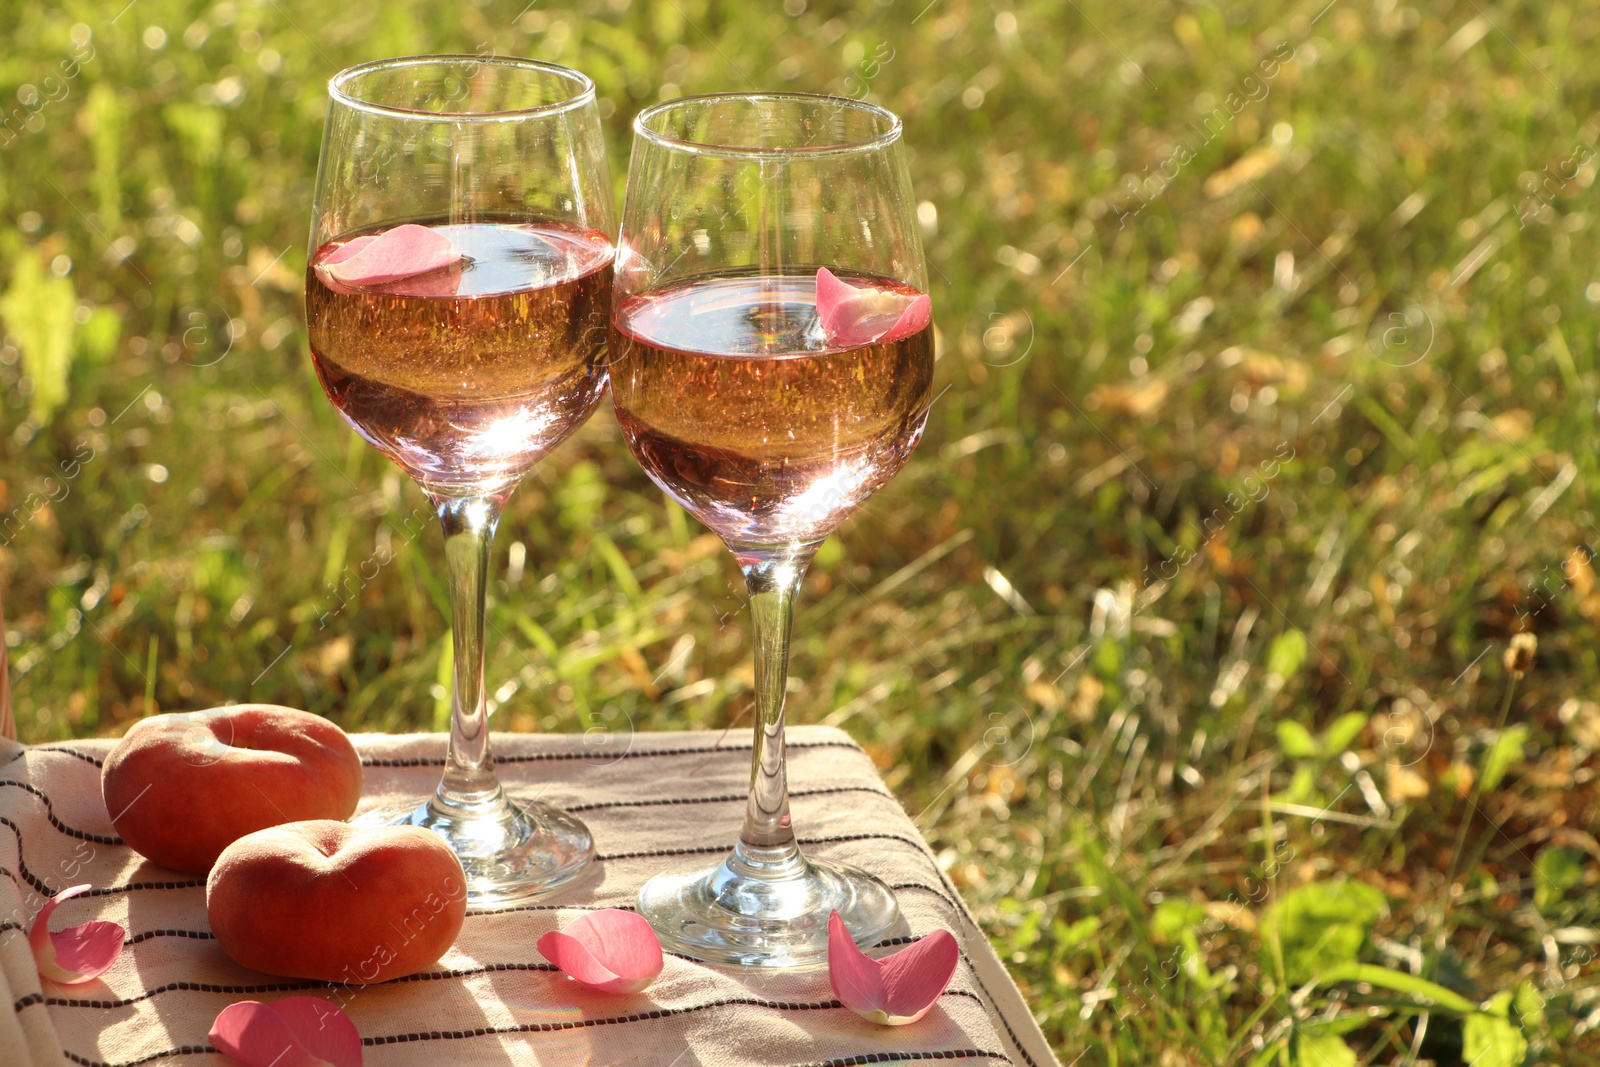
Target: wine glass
column 772, row 368
column 457, row 289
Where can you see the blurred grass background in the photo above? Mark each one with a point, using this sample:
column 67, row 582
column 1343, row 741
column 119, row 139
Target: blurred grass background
column 1270, row 332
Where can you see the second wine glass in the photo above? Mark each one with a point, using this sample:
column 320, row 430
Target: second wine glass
column 456, row 296
column 772, row 368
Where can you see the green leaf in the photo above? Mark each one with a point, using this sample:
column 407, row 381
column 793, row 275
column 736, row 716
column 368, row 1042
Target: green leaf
column 1530, row 1007
column 1173, row 917
column 1435, row 995
column 96, row 339
column 1493, row 1041
column 38, row 312
column 1505, row 753
column 1026, row 935
column 1555, row 871
column 1324, row 1051
column 1321, row 924
column 1067, row 936
column 1342, row 731
column 1302, row 787
column 1296, row 741
column 1108, row 660
column 1286, row 654
column 1338, row 1025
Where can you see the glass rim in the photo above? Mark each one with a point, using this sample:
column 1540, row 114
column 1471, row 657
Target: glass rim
column 584, row 85
column 889, row 135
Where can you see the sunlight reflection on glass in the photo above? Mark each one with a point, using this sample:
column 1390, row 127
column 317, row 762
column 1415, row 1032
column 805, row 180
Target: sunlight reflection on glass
column 825, row 497
column 514, row 436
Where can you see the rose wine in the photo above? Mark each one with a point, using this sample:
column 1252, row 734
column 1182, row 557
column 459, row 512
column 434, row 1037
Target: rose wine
column 735, row 404
column 466, row 375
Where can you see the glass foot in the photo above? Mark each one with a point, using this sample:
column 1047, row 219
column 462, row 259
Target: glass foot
column 512, row 851
column 766, row 909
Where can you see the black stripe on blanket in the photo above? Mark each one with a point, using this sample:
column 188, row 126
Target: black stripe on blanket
column 50, row 813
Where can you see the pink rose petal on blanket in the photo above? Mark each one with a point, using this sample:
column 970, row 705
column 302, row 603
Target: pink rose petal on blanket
column 857, row 315
column 402, row 252
column 294, row 1032
column 78, row 955
column 899, row 988
column 611, row 950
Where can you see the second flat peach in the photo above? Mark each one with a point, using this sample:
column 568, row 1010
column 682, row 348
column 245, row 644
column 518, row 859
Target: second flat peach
column 332, row 902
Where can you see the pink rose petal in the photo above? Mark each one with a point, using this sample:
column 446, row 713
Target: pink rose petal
column 402, row 252
column 852, row 973
column 611, row 950
column 90, row 949
column 294, row 1032
column 897, row 989
column 857, row 315
column 348, row 249
column 78, row 955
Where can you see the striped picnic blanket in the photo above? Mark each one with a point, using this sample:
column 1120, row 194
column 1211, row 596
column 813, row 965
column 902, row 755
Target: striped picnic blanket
column 654, row 802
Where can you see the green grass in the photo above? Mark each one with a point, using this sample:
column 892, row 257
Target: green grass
column 1183, row 631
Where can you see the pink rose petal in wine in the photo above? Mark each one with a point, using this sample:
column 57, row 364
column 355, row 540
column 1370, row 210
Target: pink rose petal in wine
column 857, row 315
column 348, row 249
column 611, row 950
column 445, row 282
column 294, row 1032
column 899, row 988
column 402, row 252
column 78, row 955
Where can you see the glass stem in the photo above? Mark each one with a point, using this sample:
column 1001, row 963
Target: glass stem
column 468, row 524
column 773, row 582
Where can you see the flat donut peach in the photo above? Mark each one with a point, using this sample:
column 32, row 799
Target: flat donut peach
column 332, row 902
column 181, row 787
